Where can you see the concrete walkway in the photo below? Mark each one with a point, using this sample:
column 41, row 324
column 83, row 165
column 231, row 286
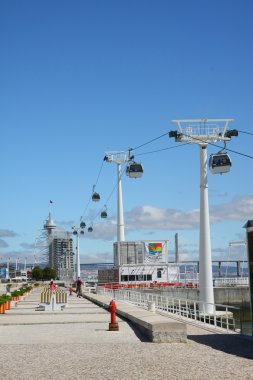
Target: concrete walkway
column 76, row 344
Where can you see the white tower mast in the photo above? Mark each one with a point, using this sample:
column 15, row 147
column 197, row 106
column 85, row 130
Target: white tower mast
column 49, row 226
column 118, row 157
column 202, row 132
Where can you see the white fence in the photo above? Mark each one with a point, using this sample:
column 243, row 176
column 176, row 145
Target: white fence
column 231, row 281
column 223, row 317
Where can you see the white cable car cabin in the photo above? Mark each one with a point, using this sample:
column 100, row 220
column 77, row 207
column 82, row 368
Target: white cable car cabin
column 220, row 163
column 95, row 197
column 134, row 170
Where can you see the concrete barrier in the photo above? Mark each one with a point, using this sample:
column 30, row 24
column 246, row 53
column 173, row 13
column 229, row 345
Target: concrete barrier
column 222, row 295
column 155, row 327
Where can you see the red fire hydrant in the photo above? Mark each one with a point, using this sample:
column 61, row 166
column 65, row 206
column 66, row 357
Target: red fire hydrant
column 70, row 291
column 113, row 326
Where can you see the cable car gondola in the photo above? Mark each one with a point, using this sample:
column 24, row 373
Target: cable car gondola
column 82, row 225
column 134, row 170
column 90, row 229
column 95, row 197
column 220, row 163
column 104, row 213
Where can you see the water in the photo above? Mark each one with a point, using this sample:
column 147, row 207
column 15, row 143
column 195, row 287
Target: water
column 245, row 325
column 247, row 328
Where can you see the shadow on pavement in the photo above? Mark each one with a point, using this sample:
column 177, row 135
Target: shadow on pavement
column 137, row 332
column 230, row 344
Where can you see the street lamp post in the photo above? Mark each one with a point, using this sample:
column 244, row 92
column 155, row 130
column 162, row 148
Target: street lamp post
column 78, row 230
column 17, row 260
column 8, row 268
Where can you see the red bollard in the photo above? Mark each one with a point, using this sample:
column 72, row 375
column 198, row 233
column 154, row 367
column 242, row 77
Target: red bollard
column 113, row 326
column 70, row 291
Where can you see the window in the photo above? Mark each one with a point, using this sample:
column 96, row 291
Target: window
column 159, row 273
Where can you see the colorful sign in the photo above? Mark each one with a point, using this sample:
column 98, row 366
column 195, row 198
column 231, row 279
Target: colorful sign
column 155, row 248
column 155, row 252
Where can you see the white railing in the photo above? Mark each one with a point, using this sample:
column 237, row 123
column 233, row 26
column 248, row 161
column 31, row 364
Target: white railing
column 231, row 281
column 223, row 316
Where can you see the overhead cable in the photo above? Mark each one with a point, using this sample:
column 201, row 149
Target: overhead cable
column 218, row 146
column 160, row 150
column 110, row 195
column 99, row 173
column 148, row 142
column 247, row 133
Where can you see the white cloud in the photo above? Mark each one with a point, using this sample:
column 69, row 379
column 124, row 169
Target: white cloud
column 102, row 231
column 99, row 257
column 240, row 208
column 150, row 217
column 27, row 246
column 8, row 233
column 3, row 244
column 68, row 223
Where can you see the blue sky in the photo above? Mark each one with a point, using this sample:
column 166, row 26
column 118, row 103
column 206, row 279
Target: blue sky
column 79, row 78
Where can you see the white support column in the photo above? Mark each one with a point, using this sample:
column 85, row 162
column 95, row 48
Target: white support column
column 120, row 222
column 8, row 268
column 17, row 259
column 78, row 271
column 205, row 257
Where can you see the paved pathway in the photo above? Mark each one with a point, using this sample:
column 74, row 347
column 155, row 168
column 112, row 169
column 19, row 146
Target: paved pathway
column 76, row 344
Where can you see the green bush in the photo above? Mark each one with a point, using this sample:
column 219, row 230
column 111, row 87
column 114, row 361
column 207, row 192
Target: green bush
column 15, row 293
column 2, row 300
column 5, row 297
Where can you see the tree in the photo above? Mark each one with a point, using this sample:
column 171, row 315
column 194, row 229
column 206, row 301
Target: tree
column 49, row 273
column 37, row 273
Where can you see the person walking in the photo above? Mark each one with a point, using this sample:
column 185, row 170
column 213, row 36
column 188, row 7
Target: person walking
column 52, row 286
column 79, row 283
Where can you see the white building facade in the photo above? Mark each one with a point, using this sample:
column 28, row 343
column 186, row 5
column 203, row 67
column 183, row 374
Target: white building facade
column 138, row 262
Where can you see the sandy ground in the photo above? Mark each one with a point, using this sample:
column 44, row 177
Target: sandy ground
column 76, row 344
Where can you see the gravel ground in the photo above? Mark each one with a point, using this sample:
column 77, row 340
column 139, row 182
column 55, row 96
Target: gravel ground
column 86, row 350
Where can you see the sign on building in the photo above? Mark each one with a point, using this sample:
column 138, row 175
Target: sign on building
column 140, row 252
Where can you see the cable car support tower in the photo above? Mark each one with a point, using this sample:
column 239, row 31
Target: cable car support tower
column 202, row 132
column 119, row 157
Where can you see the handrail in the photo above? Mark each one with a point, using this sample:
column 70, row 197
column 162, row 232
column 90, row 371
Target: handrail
column 220, row 281
column 225, row 317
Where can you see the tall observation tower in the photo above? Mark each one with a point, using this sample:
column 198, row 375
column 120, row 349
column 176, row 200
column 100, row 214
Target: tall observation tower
column 59, row 250
column 49, row 225
column 49, row 228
